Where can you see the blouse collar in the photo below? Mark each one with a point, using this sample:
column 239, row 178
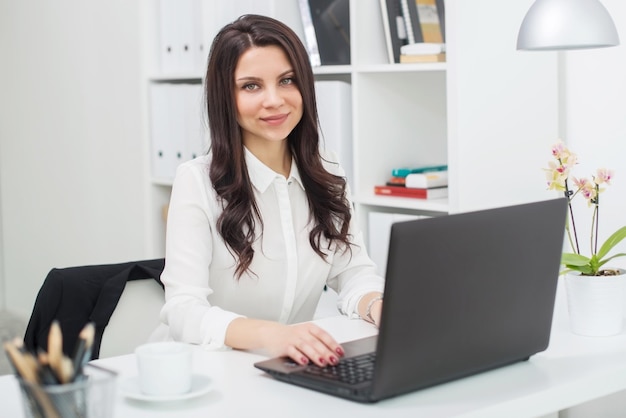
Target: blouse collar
column 262, row 176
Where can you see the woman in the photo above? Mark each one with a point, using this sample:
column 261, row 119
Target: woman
column 258, row 226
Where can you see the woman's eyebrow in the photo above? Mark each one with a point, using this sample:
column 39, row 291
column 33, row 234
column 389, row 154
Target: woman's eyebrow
column 255, row 78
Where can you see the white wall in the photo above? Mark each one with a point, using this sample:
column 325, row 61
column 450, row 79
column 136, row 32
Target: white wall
column 71, row 153
column 2, row 286
column 594, row 126
column 594, row 93
column 517, row 94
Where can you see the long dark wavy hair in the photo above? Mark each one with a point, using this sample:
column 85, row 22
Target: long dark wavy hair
column 330, row 210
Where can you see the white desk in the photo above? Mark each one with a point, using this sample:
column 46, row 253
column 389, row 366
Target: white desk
column 573, row 370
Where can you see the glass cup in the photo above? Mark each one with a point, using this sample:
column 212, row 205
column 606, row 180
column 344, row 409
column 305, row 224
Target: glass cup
column 91, row 396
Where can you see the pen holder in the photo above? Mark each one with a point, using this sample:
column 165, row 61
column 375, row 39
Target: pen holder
column 90, row 396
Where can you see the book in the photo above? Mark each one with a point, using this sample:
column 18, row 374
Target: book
column 413, row 192
column 407, row 59
column 404, row 171
column 309, row 33
column 396, row 181
column 427, row 180
column 422, row 48
column 394, row 28
column 327, row 30
column 431, row 17
column 411, row 23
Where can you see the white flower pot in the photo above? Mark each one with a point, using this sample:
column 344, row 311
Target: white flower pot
column 596, row 304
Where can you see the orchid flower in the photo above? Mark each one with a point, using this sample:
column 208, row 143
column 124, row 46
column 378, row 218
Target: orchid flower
column 558, row 178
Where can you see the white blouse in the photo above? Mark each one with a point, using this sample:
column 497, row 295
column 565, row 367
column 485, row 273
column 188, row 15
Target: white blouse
column 202, row 293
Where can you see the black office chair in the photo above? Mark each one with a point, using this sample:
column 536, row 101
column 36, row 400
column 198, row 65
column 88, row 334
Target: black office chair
column 77, row 295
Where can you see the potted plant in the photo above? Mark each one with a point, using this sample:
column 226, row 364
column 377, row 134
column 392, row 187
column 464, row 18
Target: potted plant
column 595, row 291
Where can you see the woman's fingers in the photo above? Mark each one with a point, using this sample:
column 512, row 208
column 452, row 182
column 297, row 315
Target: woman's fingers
column 329, row 343
column 309, row 343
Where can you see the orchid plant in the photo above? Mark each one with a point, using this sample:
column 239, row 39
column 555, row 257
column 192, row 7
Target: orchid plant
column 558, row 176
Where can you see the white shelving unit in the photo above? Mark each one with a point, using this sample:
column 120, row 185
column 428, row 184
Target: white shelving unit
column 490, row 112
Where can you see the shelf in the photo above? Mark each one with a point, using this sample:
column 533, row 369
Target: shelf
column 325, row 70
column 322, row 70
column 401, row 68
column 175, row 77
column 430, row 205
column 162, row 182
column 332, row 69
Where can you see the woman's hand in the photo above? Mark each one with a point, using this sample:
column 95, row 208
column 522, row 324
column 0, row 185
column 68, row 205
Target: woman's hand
column 303, row 343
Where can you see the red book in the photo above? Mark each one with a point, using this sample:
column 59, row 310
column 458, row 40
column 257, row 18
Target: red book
column 433, row 193
column 397, row 181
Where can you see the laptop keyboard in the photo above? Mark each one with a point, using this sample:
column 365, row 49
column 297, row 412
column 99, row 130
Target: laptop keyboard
column 351, row 370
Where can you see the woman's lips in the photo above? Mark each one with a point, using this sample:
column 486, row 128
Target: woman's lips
column 275, row 119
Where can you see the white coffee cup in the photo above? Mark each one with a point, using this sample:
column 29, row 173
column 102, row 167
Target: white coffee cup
column 164, row 368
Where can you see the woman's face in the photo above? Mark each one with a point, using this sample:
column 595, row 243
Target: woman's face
column 269, row 103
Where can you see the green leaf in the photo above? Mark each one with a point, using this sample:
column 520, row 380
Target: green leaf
column 590, row 266
column 611, row 242
column 573, row 259
column 611, row 258
column 586, row 269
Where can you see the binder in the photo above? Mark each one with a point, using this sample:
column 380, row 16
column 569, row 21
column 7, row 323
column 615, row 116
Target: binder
column 167, row 35
column 202, row 44
column 177, row 28
column 196, row 128
column 215, row 14
column 334, row 107
column 163, row 159
column 379, row 231
column 178, row 130
column 178, row 139
column 187, row 36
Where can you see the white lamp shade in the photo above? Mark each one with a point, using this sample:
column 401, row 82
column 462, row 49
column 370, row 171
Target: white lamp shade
column 567, row 24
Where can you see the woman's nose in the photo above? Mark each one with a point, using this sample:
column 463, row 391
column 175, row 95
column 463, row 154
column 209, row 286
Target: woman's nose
column 273, row 97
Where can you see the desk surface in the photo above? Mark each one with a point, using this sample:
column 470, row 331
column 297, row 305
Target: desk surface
column 571, row 371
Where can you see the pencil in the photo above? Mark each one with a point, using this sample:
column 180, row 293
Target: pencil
column 84, row 346
column 60, row 364
column 24, row 368
column 46, row 374
column 27, row 370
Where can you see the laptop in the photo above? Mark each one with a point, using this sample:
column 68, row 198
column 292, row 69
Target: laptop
column 464, row 293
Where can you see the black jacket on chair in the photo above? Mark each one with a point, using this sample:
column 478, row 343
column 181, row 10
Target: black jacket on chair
column 77, row 295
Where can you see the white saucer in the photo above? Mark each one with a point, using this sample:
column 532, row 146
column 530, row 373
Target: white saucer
column 200, row 385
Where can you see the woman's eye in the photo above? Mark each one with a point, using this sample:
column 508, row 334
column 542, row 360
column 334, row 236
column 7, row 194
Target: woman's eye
column 287, row 81
column 250, row 87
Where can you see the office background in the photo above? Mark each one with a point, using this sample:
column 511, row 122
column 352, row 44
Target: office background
column 72, row 124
